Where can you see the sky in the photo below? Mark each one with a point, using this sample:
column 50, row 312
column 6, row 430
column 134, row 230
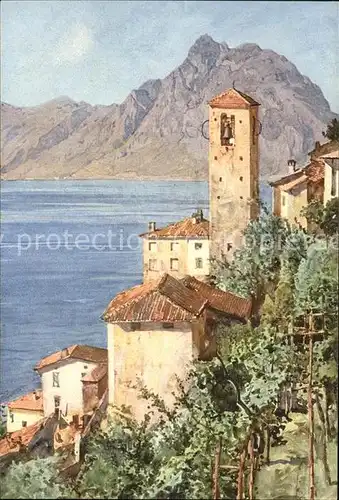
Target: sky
column 98, row 51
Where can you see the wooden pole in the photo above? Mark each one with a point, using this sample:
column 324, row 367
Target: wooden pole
column 310, row 414
column 240, row 480
column 251, row 476
column 216, row 489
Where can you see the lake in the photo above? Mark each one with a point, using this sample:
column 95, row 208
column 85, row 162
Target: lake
column 67, row 247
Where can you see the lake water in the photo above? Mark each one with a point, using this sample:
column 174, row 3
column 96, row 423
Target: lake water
column 67, row 247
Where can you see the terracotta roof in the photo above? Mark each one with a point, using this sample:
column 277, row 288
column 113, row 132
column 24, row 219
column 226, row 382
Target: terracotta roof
column 315, row 171
column 163, row 300
column 170, row 300
column 233, row 99
column 96, row 374
column 83, row 352
column 222, row 301
column 285, row 179
column 31, row 401
column 186, row 228
column 322, row 149
column 12, row 442
column 294, row 183
column 333, row 155
column 312, row 172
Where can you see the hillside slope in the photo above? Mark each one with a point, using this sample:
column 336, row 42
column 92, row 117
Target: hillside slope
column 155, row 132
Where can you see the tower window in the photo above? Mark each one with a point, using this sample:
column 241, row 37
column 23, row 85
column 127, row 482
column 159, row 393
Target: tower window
column 253, row 130
column 241, row 197
column 241, row 158
column 220, row 179
column 240, row 121
column 218, row 197
column 215, row 157
column 198, row 263
column 227, row 130
column 241, row 178
column 174, row 264
column 152, row 264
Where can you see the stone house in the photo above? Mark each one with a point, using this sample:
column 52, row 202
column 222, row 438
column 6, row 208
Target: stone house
column 315, row 181
column 62, row 374
column 331, row 186
column 155, row 330
column 178, row 249
column 25, row 411
column 294, row 191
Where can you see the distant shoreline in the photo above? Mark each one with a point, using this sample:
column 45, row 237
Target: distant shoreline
column 151, row 179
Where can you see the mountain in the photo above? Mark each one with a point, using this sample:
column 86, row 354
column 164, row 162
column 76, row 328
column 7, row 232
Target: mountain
column 155, row 132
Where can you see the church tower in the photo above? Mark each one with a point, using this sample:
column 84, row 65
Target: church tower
column 233, row 169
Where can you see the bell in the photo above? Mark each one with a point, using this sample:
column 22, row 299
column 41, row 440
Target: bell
column 228, row 132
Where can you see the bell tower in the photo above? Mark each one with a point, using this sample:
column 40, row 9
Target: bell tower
column 233, row 169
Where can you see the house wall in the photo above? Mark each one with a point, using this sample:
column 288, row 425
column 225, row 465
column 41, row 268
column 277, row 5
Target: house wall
column 29, row 416
column 233, row 180
column 70, row 390
column 185, row 253
column 92, row 393
column 328, row 181
column 152, row 354
column 291, row 203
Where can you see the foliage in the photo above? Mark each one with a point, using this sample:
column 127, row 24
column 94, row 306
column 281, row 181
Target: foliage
column 324, row 218
column 332, row 131
column 34, row 479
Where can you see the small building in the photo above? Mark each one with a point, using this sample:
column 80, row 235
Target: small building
column 25, row 411
column 331, row 189
column 297, row 189
column 62, row 374
column 178, row 249
column 155, row 330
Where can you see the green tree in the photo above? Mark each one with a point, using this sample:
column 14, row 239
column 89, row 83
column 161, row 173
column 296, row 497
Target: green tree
column 332, row 131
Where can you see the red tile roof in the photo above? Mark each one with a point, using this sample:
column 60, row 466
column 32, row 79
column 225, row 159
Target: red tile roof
column 82, row 352
column 186, row 228
column 171, row 300
column 12, row 442
column 163, row 300
column 233, row 99
column 96, row 374
column 31, row 401
column 226, row 302
column 315, row 171
column 334, row 155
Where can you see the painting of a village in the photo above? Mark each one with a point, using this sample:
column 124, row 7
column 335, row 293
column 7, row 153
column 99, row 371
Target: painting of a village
column 169, row 250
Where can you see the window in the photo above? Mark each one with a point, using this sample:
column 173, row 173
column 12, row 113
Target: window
column 168, row 325
column 152, row 264
column 24, row 423
column 174, row 264
column 254, row 125
column 85, row 367
column 11, row 416
column 56, row 402
column 152, row 246
column 174, row 246
column 83, row 374
column 56, row 382
column 198, row 246
column 229, row 246
column 198, row 263
column 334, row 182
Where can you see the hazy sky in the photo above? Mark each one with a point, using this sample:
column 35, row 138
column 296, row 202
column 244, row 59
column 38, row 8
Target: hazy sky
column 98, row 51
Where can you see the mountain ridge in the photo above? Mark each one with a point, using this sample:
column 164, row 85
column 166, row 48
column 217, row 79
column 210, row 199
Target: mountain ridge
column 155, row 131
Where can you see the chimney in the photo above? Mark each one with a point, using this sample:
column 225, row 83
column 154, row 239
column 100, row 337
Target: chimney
column 197, row 216
column 64, row 353
column 151, row 227
column 292, row 166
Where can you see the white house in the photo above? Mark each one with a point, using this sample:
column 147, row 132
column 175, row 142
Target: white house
column 61, row 377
